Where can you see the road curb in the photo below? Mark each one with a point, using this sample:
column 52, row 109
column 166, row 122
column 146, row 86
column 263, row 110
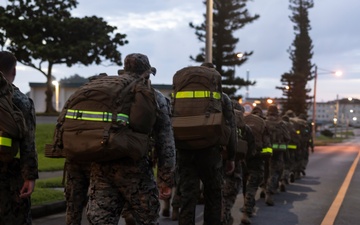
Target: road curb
column 48, row 209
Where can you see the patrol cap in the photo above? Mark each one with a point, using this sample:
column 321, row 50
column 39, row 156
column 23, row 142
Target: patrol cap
column 138, row 63
column 273, row 110
column 290, row 113
column 257, row 111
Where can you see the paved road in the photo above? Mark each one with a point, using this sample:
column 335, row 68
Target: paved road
column 328, row 194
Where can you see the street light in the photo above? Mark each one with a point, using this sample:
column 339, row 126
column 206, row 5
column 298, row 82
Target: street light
column 56, row 84
column 336, row 73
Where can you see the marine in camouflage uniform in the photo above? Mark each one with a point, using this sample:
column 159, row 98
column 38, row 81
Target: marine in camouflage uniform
column 116, row 183
column 205, row 165
column 17, row 178
column 292, row 147
column 254, row 173
column 233, row 183
column 279, row 137
column 76, row 189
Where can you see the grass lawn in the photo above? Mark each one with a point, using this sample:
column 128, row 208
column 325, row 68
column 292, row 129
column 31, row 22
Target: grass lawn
column 47, row 190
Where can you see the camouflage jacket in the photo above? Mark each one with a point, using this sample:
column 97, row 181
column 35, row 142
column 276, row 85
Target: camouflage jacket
column 164, row 141
column 28, row 154
column 230, row 117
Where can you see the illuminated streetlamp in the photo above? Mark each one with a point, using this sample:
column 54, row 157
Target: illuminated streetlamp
column 336, row 73
column 56, row 84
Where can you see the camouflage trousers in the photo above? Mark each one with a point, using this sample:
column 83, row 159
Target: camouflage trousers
column 254, row 177
column 76, row 189
column 231, row 188
column 13, row 209
column 276, row 170
column 194, row 166
column 123, row 182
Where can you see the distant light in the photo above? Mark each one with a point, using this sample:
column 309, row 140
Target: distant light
column 350, row 99
column 287, row 87
column 254, row 104
column 338, row 73
column 55, row 82
column 240, row 55
column 270, row 101
column 354, row 118
column 351, row 110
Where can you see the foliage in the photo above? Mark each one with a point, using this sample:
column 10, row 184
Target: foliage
column 44, row 135
column 44, row 32
column 297, row 98
column 228, row 17
column 327, row 133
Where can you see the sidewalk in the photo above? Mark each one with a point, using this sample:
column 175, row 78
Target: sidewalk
column 50, row 208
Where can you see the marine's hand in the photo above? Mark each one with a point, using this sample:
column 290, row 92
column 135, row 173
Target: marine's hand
column 27, row 189
column 164, row 192
column 230, row 166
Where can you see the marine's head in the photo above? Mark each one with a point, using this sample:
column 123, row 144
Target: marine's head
column 138, row 63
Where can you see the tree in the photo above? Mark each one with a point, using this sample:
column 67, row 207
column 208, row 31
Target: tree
column 43, row 33
column 229, row 16
column 300, row 55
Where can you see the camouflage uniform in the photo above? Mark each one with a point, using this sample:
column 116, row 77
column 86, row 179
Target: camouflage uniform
column 279, row 137
column 116, row 183
column 233, row 183
column 254, row 173
column 204, row 165
column 76, row 189
column 13, row 174
column 292, row 147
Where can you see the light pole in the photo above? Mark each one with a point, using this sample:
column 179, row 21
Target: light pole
column 56, row 84
column 337, row 73
column 209, row 31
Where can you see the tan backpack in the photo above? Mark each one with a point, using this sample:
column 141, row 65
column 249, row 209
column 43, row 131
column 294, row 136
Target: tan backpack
column 108, row 118
column 257, row 125
column 12, row 122
column 198, row 121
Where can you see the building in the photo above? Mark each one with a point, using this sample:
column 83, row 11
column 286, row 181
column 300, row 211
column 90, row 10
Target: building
column 66, row 89
column 342, row 112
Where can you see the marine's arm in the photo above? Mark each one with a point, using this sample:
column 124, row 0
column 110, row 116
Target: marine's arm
column 164, row 143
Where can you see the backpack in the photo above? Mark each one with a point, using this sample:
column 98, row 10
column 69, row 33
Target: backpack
column 257, row 125
column 197, row 118
column 302, row 129
column 12, row 122
column 108, row 118
column 279, row 135
column 242, row 145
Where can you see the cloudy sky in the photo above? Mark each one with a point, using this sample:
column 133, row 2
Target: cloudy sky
column 159, row 29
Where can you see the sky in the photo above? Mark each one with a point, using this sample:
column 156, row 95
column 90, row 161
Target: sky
column 159, row 29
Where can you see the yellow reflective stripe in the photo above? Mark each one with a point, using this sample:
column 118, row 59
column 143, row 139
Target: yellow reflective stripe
column 197, row 94
column 279, row 146
column 4, row 141
column 94, row 116
column 292, row 146
column 266, row 150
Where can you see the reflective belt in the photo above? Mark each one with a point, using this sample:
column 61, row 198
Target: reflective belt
column 292, row 147
column 4, row 141
column 279, row 146
column 266, row 151
column 197, row 94
column 95, row 116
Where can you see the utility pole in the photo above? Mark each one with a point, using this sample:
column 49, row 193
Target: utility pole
column 209, row 31
column 314, row 108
